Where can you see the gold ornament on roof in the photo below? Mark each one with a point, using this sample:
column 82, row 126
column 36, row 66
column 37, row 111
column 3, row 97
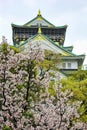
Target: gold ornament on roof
column 39, row 13
column 39, row 30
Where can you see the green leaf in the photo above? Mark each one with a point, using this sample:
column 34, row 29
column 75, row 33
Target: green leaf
column 6, row 128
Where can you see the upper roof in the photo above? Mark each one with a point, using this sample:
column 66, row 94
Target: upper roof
column 38, row 21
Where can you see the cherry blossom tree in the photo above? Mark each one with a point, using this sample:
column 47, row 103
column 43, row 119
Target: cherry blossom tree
column 30, row 100
column 11, row 107
column 20, row 86
column 56, row 112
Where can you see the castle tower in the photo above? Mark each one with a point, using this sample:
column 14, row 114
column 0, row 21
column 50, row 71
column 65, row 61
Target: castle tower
column 51, row 37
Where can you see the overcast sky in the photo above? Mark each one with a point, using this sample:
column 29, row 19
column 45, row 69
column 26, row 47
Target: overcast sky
column 59, row 12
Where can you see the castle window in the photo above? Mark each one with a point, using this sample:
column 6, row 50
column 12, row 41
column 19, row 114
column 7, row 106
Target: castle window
column 64, row 65
column 69, row 65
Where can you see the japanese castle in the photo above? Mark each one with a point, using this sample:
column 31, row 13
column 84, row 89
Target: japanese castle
column 51, row 37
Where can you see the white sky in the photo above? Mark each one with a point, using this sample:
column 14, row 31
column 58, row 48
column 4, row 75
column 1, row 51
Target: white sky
column 59, row 12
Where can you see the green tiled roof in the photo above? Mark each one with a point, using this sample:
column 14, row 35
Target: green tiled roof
column 39, row 16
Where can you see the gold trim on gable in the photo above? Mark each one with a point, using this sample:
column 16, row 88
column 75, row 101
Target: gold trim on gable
column 65, row 54
column 28, row 25
column 40, row 38
column 39, row 18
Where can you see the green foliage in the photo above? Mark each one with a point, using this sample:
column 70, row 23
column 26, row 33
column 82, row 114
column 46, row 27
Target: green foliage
column 50, row 61
column 51, row 89
column 84, row 118
column 50, row 55
column 79, row 75
column 5, row 48
column 5, row 127
column 19, row 86
column 28, row 114
column 46, row 64
column 50, row 64
column 14, row 48
column 77, row 84
column 78, row 95
column 13, row 70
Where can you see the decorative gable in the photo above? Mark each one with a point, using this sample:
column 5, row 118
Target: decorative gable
column 39, row 21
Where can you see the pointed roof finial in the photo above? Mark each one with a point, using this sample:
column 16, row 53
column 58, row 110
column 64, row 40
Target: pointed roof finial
column 39, row 30
column 39, row 13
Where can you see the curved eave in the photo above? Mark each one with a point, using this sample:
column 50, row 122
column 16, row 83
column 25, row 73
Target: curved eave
column 56, row 27
column 82, row 57
column 79, row 58
column 69, row 48
column 70, row 53
column 64, row 26
column 51, row 27
column 19, row 26
column 66, row 47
